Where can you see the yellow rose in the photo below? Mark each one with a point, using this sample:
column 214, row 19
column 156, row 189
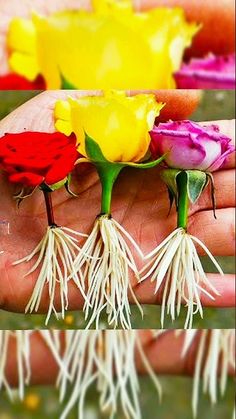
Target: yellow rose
column 111, row 47
column 119, row 124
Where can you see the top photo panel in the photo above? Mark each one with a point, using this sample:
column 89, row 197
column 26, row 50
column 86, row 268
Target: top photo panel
column 117, row 44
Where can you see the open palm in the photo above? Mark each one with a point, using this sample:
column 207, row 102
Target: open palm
column 140, row 204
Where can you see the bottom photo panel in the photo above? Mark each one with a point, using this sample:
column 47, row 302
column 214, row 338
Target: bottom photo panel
column 117, row 374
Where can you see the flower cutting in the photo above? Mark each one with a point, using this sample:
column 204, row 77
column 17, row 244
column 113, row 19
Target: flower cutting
column 112, row 133
column 37, row 160
column 192, row 153
column 133, row 50
column 211, row 72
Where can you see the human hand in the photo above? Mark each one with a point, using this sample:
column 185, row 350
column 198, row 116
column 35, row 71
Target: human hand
column 217, row 17
column 157, row 350
column 130, row 201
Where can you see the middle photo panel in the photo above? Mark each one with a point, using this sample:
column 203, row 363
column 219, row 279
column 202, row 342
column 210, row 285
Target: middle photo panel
column 116, row 206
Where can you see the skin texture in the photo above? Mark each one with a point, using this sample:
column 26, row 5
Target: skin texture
column 216, row 16
column 167, row 362
column 136, row 193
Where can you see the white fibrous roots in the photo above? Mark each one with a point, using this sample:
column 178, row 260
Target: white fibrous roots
column 214, row 357
column 176, row 266
column 107, row 359
column 22, row 339
column 55, row 254
column 105, row 262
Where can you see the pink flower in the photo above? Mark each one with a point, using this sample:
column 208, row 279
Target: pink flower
column 207, row 73
column 190, row 146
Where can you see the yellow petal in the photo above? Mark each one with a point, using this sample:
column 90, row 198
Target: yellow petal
column 21, row 42
column 119, row 124
column 112, row 47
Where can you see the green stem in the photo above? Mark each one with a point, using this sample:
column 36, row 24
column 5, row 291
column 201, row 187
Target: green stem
column 108, row 174
column 183, row 200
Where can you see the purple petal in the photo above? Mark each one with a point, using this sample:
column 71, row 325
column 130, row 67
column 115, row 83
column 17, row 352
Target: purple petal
column 211, row 72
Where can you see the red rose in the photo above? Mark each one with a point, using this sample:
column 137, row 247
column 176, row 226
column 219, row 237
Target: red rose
column 33, row 158
column 16, row 82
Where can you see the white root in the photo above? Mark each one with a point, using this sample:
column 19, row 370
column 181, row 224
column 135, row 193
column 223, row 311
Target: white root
column 106, row 358
column 105, row 262
column 23, row 361
column 215, row 356
column 56, row 254
column 176, row 266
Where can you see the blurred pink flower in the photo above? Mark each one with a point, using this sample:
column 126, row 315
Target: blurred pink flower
column 210, row 72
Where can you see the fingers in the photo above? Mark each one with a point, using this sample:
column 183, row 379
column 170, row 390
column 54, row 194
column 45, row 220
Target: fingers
column 164, row 354
column 167, row 362
column 40, row 355
column 145, row 292
column 37, row 114
column 224, row 183
column 217, row 17
column 180, row 104
column 217, row 234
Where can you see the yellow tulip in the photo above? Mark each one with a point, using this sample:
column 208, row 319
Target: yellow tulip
column 110, row 47
column 119, row 124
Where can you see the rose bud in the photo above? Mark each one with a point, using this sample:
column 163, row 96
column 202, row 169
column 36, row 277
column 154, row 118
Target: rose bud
column 207, row 73
column 190, row 146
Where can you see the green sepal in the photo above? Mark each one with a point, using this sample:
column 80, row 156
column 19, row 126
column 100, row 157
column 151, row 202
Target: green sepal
column 66, row 85
column 58, row 185
column 211, row 179
column 108, row 171
column 172, row 198
column 196, row 182
column 148, row 165
column 67, row 187
column 95, row 154
column 169, row 176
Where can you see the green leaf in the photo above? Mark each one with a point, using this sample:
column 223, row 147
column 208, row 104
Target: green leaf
column 66, row 85
column 169, row 176
column 196, row 182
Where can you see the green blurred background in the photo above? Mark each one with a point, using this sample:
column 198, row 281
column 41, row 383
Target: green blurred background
column 43, row 402
column 176, row 404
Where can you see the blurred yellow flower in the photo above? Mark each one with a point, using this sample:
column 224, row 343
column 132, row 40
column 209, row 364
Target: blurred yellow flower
column 32, row 401
column 119, row 124
column 110, row 47
column 69, row 319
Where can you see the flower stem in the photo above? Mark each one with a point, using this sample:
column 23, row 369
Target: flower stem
column 49, row 208
column 108, row 174
column 183, row 200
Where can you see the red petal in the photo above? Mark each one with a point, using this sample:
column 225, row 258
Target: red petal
column 61, row 168
column 16, row 82
column 27, row 179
